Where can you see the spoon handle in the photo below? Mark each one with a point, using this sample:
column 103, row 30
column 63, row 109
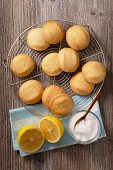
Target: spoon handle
column 90, row 107
column 93, row 102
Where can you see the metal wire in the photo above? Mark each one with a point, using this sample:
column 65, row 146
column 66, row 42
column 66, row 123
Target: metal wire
column 92, row 52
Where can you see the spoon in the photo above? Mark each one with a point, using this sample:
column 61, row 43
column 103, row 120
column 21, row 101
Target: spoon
column 90, row 107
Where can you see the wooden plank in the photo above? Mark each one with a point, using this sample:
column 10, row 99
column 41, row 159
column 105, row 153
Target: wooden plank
column 16, row 16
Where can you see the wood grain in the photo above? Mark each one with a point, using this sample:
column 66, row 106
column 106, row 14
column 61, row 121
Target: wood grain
column 16, row 16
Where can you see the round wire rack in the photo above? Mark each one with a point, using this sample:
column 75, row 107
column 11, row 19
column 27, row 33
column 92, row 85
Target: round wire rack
column 92, row 52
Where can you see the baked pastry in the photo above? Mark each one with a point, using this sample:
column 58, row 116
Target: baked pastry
column 62, row 104
column 36, row 40
column 77, row 37
column 50, row 64
column 31, row 91
column 80, row 86
column 49, row 93
column 53, row 32
column 22, row 65
column 94, row 72
column 68, row 60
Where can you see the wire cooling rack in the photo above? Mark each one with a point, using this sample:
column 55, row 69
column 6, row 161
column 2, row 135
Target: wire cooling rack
column 92, row 52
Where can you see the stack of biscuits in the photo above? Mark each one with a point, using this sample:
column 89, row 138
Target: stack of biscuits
column 55, row 98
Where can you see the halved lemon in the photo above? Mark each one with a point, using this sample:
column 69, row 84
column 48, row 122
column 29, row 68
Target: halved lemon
column 52, row 128
column 30, row 139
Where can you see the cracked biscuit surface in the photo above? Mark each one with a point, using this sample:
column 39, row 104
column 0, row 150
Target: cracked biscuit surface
column 50, row 66
column 22, row 65
column 77, row 37
column 36, row 40
column 53, row 32
column 94, row 72
column 68, row 60
column 62, row 105
column 80, row 86
column 31, row 91
column 49, row 93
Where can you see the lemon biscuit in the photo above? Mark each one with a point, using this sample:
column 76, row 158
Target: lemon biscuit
column 36, row 40
column 31, row 91
column 50, row 64
column 80, row 86
column 77, row 37
column 68, row 60
column 53, row 32
column 49, row 93
column 62, row 104
column 22, row 65
column 94, row 72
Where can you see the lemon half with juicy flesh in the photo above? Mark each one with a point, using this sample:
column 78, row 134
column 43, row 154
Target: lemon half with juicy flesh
column 30, row 139
column 52, row 128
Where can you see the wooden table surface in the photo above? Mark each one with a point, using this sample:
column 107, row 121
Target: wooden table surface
column 15, row 17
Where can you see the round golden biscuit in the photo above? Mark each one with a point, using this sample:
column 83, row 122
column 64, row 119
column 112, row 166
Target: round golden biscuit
column 22, row 65
column 77, row 37
column 94, row 72
column 53, row 32
column 31, row 91
column 36, row 40
column 62, row 104
column 80, row 86
column 68, row 60
column 49, row 93
column 50, row 64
